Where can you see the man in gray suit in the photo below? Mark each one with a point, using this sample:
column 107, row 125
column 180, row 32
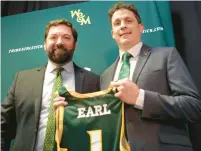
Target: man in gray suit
column 24, row 112
column 159, row 94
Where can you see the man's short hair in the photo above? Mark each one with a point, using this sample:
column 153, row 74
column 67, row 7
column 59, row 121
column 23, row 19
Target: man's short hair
column 61, row 22
column 129, row 7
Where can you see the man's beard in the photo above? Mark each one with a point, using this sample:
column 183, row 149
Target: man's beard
column 62, row 58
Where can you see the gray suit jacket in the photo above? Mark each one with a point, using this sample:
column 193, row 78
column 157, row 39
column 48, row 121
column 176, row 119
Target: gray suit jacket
column 171, row 100
column 20, row 111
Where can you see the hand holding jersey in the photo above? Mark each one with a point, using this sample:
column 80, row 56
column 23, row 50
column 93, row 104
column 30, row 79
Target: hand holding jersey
column 126, row 90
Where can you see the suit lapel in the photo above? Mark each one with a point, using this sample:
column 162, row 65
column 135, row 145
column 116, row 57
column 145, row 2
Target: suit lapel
column 112, row 70
column 40, row 73
column 143, row 56
column 109, row 76
column 79, row 77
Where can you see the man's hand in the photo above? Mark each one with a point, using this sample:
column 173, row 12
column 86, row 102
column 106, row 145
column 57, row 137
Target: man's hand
column 126, row 90
column 59, row 101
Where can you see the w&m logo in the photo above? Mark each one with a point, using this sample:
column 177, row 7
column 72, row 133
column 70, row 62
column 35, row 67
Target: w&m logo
column 80, row 17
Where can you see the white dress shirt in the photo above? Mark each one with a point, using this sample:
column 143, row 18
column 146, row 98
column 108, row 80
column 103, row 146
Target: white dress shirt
column 134, row 51
column 68, row 80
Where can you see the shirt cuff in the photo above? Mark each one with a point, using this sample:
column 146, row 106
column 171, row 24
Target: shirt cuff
column 140, row 100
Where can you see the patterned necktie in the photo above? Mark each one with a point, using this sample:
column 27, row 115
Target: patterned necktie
column 125, row 68
column 50, row 130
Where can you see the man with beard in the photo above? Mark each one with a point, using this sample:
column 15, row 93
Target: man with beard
column 27, row 108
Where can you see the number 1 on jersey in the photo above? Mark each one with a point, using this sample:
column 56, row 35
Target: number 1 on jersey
column 95, row 140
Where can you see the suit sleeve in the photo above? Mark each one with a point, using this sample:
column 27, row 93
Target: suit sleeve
column 97, row 88
column 183, row 103
column 8, row 118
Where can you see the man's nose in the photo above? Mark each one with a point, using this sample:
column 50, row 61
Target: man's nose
column 59, row 41
column 123, row 25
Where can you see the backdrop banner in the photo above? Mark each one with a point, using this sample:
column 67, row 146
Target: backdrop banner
column 23, row 35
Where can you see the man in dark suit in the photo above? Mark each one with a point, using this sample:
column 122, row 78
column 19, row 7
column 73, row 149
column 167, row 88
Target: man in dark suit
column 24, row 112
column 159, row 94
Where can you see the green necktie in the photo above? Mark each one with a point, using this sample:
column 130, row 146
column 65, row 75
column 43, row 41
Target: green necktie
column 125, row 68
column 50, row 130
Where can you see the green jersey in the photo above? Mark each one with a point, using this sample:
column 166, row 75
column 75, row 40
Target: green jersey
column 90, row 122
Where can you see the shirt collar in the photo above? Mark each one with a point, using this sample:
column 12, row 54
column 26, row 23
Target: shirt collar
column 69, row 67
column 134, row 51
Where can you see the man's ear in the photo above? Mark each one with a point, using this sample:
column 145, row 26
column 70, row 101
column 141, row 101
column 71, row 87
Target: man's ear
column 112, row 34
column 141, row 28
column 44, row 45
column 75, row 46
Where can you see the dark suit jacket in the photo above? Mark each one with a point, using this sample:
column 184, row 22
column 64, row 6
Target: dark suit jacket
column 195, row 136
column 171, row 100
column 20, row 111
